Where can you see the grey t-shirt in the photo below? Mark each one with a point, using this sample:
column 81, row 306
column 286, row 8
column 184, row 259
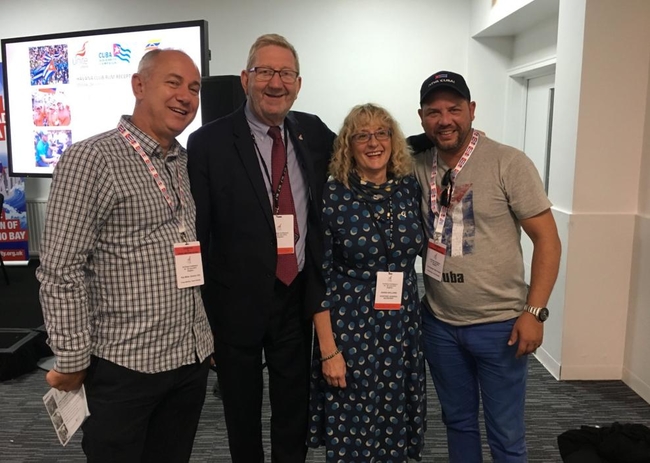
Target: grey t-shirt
column 483, row 275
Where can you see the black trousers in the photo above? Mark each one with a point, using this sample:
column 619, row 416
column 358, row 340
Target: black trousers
column 139, row 417
column 239, row 369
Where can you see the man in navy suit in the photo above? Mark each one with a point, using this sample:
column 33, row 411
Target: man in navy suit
column 257, row 177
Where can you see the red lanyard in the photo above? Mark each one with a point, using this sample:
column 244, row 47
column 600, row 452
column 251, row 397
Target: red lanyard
column 154, row 173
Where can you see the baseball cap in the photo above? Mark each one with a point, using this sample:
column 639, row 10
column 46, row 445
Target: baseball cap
column 444, row 79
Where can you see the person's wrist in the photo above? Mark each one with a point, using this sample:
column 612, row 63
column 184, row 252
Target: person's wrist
column 540, row 313
column 330, row 356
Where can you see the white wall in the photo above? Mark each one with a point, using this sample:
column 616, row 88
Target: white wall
column 350, row 52
column 487, row 13
column 489, row 59
column 537, row 44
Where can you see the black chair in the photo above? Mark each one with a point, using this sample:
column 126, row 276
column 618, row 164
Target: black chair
column 2, row 264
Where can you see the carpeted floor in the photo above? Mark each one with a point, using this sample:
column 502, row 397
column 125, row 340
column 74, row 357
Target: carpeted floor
column 27, row 435
column 552, row 407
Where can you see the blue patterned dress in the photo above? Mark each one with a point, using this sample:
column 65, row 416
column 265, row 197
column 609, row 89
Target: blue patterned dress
column 380, row 415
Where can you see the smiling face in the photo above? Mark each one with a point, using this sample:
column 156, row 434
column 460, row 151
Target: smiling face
column 371, row 157
column 447, row 120
column 271, row 100
column 167, row 95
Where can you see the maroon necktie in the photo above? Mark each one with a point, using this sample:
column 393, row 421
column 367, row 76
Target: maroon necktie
column 287, row 267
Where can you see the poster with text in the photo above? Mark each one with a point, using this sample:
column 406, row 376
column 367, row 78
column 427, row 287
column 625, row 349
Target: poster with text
column 14, row 245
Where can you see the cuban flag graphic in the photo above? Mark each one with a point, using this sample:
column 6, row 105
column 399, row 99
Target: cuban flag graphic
column 460, row 229
column 44, row 73
column 121, row 53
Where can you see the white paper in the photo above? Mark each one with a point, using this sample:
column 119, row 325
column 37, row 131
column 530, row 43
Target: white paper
column 67, row 410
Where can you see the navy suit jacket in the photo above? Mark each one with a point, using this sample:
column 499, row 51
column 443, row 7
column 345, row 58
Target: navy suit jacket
column 234, row 221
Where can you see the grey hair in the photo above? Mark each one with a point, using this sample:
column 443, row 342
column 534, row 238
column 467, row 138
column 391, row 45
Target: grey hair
column 271, row 39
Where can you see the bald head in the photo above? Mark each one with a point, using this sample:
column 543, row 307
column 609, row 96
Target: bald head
column 166, row 89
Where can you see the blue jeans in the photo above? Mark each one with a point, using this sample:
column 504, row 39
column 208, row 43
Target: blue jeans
column 465, row 361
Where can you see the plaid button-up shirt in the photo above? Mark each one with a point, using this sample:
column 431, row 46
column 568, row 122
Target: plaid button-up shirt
column 107, row 273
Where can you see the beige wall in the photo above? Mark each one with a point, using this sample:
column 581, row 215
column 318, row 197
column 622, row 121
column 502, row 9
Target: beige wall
column 609, row 146
column 636, row 368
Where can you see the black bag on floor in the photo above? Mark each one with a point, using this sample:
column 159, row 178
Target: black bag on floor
column 618, row 443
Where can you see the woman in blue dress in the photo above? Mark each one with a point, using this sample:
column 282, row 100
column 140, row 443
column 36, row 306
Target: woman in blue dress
column 368, row 400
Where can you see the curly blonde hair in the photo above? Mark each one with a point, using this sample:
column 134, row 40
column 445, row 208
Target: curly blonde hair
column 342, row 163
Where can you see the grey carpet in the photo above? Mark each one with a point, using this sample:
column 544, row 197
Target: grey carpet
column 26, row 434
column 552, row 407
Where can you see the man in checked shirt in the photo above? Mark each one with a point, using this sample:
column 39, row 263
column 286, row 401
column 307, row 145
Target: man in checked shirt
column 123, row 312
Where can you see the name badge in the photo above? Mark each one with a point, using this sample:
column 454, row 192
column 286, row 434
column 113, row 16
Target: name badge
column 388, row 295
column 284, row 233
column 435, row 260
column 189, row 269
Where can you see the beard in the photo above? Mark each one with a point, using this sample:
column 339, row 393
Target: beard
column 452, row 146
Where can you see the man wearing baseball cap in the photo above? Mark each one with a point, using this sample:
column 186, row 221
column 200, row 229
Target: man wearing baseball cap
column 480, row 318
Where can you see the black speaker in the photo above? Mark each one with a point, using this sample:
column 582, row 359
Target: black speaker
column 220, row 95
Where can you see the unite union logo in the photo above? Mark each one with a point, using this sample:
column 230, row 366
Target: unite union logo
column 80, row 58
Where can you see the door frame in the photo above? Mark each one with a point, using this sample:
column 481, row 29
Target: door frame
column 516, row 92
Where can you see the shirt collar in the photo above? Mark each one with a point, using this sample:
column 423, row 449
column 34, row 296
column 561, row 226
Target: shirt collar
column 151, row 146
column 260, row 129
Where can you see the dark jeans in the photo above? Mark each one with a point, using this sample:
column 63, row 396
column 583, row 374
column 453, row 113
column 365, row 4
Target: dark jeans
column 139, row 417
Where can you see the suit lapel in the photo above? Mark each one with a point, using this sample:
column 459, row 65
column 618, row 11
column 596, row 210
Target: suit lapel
column 249, row 158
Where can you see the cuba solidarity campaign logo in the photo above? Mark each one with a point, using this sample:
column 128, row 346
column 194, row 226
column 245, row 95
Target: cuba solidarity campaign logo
column 117, row 53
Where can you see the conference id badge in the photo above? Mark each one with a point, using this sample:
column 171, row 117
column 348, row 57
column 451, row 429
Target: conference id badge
column 189, row 269
column 388, row 294
column 435, row 260
column 284, row 233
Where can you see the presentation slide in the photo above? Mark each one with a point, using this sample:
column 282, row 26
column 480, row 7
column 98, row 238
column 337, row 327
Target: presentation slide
column 60, row 90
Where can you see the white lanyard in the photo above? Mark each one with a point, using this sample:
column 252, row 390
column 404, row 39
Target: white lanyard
column 442, row 214
column 154, row 173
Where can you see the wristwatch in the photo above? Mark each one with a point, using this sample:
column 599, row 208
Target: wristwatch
column 541, row 313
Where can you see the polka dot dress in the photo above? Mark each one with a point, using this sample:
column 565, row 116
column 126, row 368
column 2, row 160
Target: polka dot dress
column 380, row 415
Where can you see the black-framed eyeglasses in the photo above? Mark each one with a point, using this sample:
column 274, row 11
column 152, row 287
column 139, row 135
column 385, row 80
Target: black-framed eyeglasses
column 264, row 74
column 447, row 188
column 364, row 137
